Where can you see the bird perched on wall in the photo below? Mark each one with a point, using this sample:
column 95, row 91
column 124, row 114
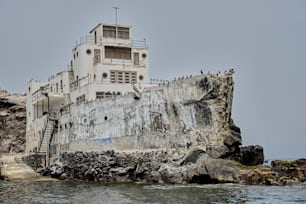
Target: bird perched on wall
column 201, row 71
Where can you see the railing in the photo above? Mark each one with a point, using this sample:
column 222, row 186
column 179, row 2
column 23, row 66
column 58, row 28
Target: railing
column 99, row 39
column 77, row 83
column 43, row 92
column 139, row 44
column 41, row 137
column 118, row 61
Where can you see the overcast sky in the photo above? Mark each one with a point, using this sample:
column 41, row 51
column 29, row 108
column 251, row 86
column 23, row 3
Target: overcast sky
column 263, row 40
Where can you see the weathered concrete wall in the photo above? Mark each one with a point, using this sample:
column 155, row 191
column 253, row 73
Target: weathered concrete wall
column 34, row 133
column 185, row 113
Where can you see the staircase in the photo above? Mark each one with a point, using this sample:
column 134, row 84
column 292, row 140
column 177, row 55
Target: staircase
column 44, row 146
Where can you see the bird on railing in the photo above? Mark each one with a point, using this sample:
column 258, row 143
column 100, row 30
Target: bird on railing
column 231, row 70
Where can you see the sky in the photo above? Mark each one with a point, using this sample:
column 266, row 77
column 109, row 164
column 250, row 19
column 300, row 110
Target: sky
column 263, row 40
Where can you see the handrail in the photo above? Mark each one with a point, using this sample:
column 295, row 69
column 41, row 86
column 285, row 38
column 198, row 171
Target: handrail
column 87, row 39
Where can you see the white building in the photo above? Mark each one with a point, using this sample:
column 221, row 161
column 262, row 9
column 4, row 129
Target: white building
column 107, row 62
column 104, row 102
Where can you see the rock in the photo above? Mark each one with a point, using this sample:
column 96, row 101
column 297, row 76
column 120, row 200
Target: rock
column 234, row 139
column 12, row 122
column 120, row 171
column 192, row 156
column 220, row 151
column 158, row 167
column 56, row 171
column 251, row 155
column 172, row 174
column 218, row 170
column 291, row 169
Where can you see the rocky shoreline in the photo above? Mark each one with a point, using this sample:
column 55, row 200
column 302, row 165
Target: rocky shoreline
column 160, row 167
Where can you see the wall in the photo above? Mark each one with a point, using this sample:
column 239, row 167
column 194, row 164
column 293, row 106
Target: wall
column 185, row 113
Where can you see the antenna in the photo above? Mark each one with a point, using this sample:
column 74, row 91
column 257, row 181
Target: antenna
column 116, row 12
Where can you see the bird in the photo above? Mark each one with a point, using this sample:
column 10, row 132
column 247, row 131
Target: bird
column 201, row 71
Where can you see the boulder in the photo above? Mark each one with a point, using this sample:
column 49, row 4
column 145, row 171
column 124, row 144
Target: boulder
column 192, row 156
column 216, row 171
column 251, row 155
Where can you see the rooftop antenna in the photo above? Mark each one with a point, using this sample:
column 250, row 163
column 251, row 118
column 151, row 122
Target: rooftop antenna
column 116, row 12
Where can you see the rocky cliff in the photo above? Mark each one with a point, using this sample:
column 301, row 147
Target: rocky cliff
column 12, row 122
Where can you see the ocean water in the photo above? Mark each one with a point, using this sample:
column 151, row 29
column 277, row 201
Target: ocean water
column 95, row 192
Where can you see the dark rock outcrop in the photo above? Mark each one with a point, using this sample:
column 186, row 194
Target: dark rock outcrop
column 159, row 167
column 234, row 139
column 150, row 167
column 12, row 122
column 296, row 168
column 248, row 155
column 280, row 173
column 251, row 155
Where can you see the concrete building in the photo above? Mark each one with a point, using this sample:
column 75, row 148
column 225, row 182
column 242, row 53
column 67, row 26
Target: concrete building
column 104, row 101
column 106, row 62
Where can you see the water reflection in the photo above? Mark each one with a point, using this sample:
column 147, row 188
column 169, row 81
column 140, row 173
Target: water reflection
column 89, row 192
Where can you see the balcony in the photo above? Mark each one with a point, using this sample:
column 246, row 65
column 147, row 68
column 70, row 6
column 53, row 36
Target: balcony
column 91, row 40
column 43, row 95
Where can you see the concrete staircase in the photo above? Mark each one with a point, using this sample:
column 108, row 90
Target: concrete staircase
column 46, row 137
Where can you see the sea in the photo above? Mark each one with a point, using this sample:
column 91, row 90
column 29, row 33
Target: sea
column 95, row 192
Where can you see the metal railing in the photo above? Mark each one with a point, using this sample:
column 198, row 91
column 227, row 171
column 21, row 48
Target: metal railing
column 99, row 39
column 139, row 44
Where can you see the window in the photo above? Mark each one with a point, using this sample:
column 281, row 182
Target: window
column 80, row 99
column 127, row 77
column 123, row 33
column 56, row 87
column 95, row 37
column 109, row 31
column 62, row 85
column 97, row 56
column 123, row 77
column 119, row 77
column 117, row 52
column 113, row 77
column 100, row 94
column 136, row 58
